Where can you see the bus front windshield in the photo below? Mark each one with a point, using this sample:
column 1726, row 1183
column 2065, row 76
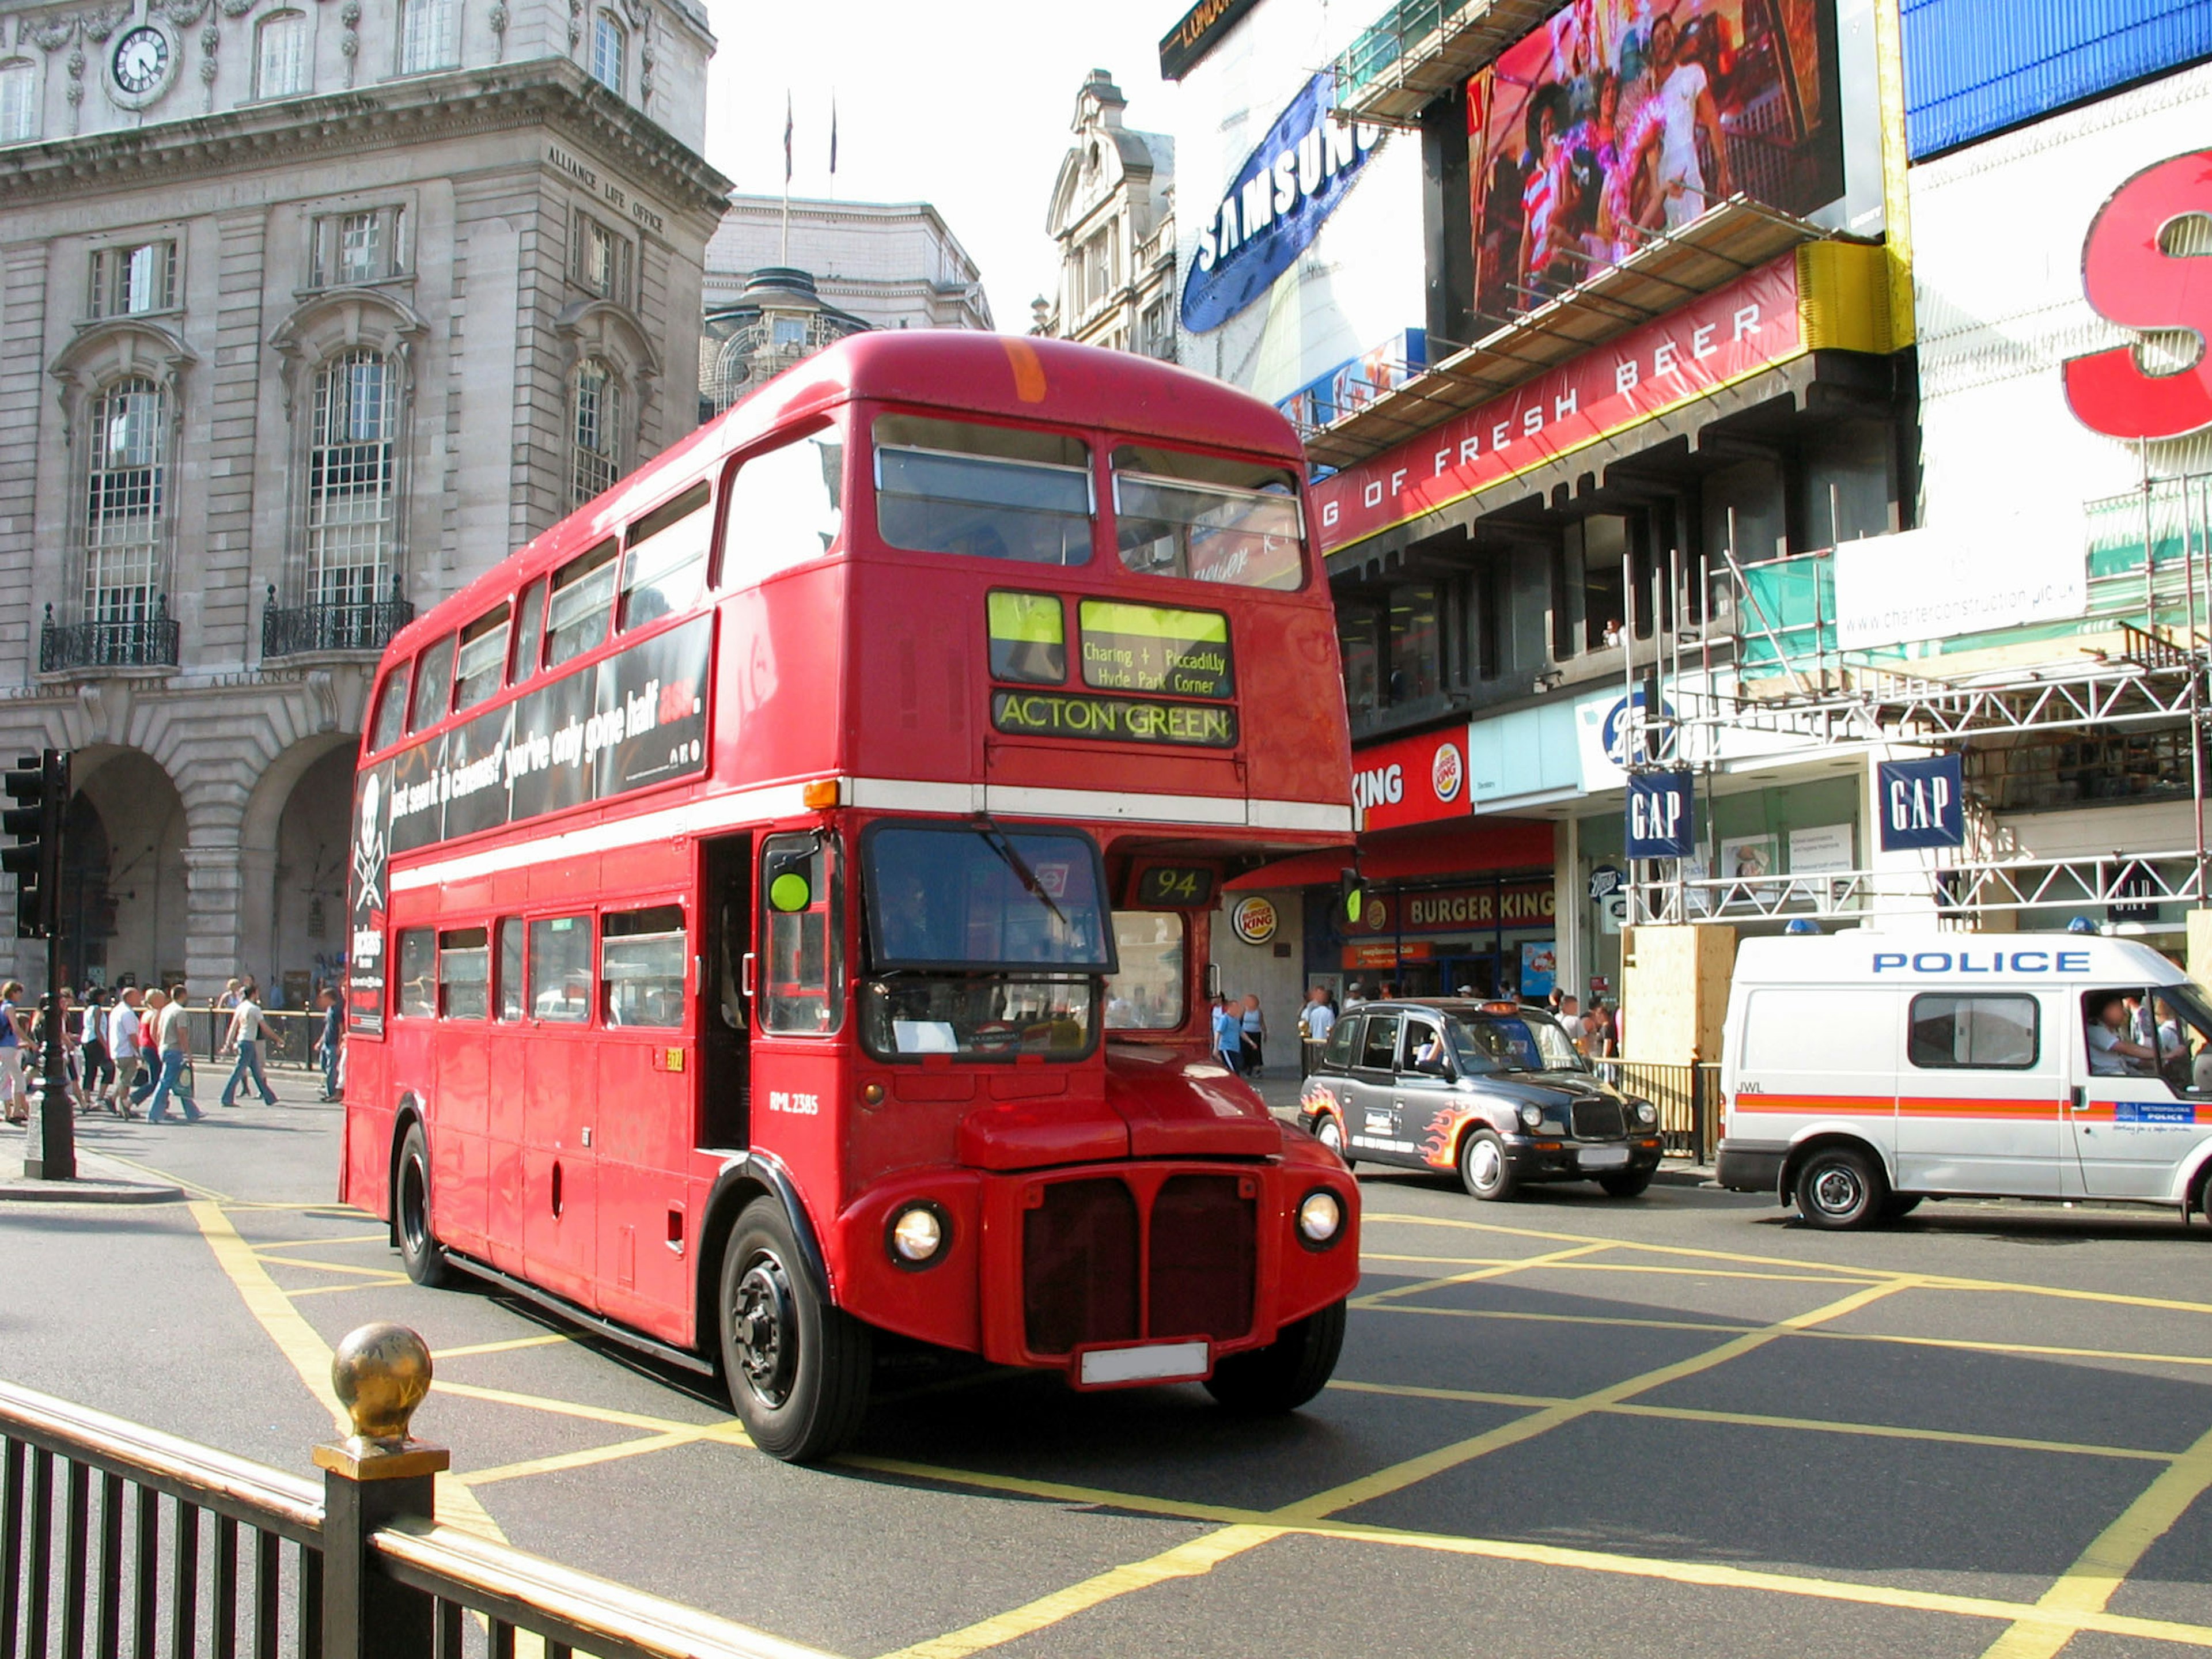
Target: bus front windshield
column 984, row 942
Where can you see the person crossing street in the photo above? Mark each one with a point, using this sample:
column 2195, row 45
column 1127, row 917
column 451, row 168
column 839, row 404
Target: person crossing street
column 172, row 1028
column 244, row 1037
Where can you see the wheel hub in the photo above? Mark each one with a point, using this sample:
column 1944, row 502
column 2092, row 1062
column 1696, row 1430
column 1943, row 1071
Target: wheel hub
column 761, row 1330
column 1484, row 1163
column 1836, row 1191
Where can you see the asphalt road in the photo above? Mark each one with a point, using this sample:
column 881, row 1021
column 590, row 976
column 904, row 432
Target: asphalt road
column 1567, row 1425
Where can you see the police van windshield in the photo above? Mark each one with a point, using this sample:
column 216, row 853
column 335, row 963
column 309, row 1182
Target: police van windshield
column 1520, row 1042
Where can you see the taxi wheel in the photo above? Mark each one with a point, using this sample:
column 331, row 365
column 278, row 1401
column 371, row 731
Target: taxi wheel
column 1483, row 1170
column 1839, row 1188
column 1286, row 1373
column 1328, row 1131
column 419, row 1251
column 797, row 1369
column 1629, row 1183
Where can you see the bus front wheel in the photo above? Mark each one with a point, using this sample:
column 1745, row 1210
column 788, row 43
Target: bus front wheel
column 797, row 1368
column 1286, row 1373
column 419, row 1252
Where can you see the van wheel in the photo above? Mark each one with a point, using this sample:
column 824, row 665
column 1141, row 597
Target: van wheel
column 1840, row 1187
column 797, row 1369
column 1328, row 1131
column 419, row 1251
column 1286, row 1373
column 1483, row 1169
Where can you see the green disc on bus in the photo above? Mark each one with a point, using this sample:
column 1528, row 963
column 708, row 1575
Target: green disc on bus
column 790, row 891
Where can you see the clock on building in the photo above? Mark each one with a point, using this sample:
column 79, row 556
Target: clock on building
column 141, row 63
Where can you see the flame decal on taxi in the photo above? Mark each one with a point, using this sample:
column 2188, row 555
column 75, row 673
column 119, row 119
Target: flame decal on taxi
column 1440, row 1150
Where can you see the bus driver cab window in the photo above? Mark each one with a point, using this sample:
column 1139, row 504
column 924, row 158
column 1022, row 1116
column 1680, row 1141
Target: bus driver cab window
column 804, row 991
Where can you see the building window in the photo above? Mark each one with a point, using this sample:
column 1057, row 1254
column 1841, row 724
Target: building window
column 351, row 482
column 600, row 260
column 595, row 430
column 125, row 492
column 279, row 66
column 610, row 52
column 370, row 245
column 426, row 35
column 19, row 102
column 129, row 281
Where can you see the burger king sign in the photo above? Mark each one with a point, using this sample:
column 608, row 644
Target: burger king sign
column 1411, row 780
column 1254, row 919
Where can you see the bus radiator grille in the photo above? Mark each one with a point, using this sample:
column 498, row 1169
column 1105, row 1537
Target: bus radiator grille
column 1079, row 1266
column 1202, row 1274
column 1599, row 1120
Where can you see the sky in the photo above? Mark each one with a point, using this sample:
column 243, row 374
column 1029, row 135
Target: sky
column 965, row 106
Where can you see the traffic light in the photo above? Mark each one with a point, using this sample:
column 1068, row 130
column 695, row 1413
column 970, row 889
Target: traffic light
column 39, row 787
column 1350, row 896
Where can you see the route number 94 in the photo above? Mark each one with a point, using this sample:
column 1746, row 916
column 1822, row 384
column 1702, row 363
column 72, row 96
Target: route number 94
column 1175, row 887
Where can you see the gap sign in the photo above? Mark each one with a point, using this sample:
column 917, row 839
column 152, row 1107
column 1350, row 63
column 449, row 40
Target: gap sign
column 1659, row 815
column 1923, row 803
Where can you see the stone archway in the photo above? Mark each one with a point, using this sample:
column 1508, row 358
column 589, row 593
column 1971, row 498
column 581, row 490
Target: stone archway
column 292, row 918
column 134, row 901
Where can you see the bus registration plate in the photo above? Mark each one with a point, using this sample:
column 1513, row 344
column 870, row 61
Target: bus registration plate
column 1155, row 1362
column 1602, row 1157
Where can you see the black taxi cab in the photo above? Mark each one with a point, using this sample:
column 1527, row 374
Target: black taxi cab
column 1491, row 1089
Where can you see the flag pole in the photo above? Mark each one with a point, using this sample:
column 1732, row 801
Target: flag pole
column 785, row 257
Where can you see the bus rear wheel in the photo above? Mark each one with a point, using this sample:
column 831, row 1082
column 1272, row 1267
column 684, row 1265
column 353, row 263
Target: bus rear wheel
column 419, row 1251
column 1286, row 1373
column 797, row 1368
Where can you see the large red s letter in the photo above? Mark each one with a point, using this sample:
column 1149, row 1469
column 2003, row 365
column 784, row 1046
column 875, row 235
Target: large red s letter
column 2131, row 279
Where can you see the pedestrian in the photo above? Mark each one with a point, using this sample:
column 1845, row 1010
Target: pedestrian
column 244, row 1037
column 99, row 1063
column 150, row 1045
column 1599, row 1044
column 15, row 1036
column 172, row 1033
column 1569, row 1013
column 326, row 1045
column 1316, row 1021
column 123, row 1047
column 230, row 996
column 1253, row 1026
column 1228, row 1035
column 1353, row 993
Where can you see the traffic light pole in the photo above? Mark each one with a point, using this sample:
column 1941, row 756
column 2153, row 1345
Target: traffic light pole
column 52, row 1153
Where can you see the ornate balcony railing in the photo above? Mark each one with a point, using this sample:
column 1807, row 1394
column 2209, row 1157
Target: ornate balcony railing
column 148, row 642
column 295, row 630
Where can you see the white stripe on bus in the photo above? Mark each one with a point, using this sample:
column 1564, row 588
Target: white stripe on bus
column 782, row 800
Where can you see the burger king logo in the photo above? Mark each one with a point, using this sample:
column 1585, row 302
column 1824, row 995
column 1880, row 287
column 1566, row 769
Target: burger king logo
column 1253, row 921
column 1447, row 771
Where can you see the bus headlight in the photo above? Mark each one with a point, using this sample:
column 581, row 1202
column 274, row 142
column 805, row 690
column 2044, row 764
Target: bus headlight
column 917, row 1235
column 1532, row 1115
column 1646, row 1113
column 1321, row 1219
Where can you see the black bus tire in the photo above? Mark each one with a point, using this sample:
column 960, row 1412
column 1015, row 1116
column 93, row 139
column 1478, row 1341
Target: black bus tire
column 1286, row 1373
column 419, row 1251
column 797, row 1368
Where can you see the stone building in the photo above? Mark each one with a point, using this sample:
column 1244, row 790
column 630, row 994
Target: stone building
column 308, row 315
column 892, row 264
column 1112, row 215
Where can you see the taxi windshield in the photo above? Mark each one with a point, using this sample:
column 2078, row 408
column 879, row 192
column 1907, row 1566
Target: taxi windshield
column 1512, row 1042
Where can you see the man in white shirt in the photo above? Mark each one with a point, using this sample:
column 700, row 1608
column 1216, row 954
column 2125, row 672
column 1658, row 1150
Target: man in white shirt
column 244, row 1037
column 123, row 1047
column 171, row 1032
column 2109, row 1051
column 1668, row 123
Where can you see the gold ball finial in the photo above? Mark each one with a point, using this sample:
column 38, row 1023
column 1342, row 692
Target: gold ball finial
column 382, row 1372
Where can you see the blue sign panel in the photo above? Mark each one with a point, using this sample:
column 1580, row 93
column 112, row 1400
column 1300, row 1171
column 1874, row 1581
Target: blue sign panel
column 1659, row 815
column 2165, row 1114
column 1275, row 206
column 1922, row 803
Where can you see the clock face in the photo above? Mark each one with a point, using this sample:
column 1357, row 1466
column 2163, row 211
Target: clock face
column 141, row 57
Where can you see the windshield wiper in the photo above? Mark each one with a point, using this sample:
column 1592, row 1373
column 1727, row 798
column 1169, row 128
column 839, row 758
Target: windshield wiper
column 995, row 838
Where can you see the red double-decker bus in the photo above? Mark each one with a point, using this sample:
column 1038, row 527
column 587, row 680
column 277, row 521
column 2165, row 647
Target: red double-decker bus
column 780, row 891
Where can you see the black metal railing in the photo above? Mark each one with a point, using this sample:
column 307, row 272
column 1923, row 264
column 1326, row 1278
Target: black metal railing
column 1688, row 1097
column 117, row 1537
column 295, row 630
column 145, row 642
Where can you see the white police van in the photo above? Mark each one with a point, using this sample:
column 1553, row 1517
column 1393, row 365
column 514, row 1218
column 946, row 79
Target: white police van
column 1864, row 1071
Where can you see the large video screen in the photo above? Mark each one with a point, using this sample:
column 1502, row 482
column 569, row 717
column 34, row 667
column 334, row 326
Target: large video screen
column 1622, row 118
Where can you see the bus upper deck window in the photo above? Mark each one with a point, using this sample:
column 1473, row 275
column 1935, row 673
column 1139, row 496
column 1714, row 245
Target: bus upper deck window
column 583, row 601
column 482, row 664
column 784, row 506
column 561, row 969
column 992, row 492
column 464, row 973
column 434, row 686
column 664, row 567
column 529, row 632
column 1207, row 518
column 641, row 960
column 391, row 710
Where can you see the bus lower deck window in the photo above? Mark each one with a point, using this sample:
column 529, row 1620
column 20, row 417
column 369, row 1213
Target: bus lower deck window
column 987, row 492
column 1147, row 995
column 803, row 992
column 510, row 968
column 464, row 973
column 415, row 984
column 561, row 969
column 642, row 958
